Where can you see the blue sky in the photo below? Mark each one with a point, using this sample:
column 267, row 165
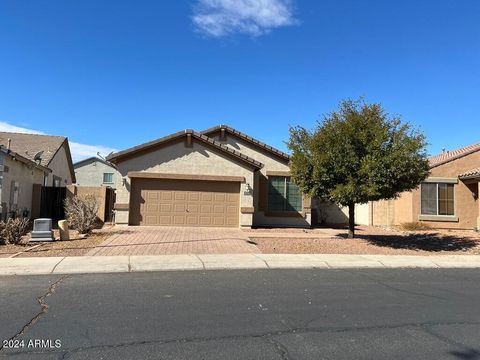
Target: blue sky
column 113, row 74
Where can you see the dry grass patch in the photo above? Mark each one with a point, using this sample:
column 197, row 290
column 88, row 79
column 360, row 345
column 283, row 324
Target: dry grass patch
column 415, row 226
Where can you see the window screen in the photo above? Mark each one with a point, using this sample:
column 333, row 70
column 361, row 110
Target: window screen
column 283, row 195
column 108, row 178
column 437, row 199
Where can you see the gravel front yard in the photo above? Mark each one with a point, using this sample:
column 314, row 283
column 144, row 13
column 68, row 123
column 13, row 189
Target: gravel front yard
column 370, row 240
column 77, row 246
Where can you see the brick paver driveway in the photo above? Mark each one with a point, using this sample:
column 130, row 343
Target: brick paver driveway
column 166, row 240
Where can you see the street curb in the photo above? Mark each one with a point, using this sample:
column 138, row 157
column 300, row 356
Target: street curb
column 125, row 264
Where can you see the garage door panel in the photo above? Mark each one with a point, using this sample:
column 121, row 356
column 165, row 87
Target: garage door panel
column 193, row 208
column 150, row 219
column 205, row 209
column 184, row 203
column 233, row 198
column 151, row 208
column 179, row 207
column 219, row 209
column 192, row 220
column 193, row 196
column 151, row 195
column 166, row 195
column 231, row 210
column 166, row 208
column 179, row 219
column 206, row 197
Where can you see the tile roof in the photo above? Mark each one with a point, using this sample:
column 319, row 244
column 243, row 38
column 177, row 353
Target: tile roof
column 200, row 137
column 448, row 156
column 249, row 139
column 470, row 174
column 28, row 145
column 91, row 159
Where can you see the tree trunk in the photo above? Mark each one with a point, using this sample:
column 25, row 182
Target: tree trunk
column 351, row 221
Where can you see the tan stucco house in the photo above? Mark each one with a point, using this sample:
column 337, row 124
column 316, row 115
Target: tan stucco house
column 94, row 171
column 447, row 199
column 216, row 177
column 27, row 160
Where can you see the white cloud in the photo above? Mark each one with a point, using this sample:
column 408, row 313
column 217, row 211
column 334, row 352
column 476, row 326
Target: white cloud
column 219, row 18
column 79, row 151
column 83, row 151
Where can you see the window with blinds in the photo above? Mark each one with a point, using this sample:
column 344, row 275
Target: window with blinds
column 437, row 199
column 283, row 195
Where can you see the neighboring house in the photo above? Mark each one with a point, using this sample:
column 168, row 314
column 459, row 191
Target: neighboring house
column 28, row 159
column 95, row 172
column 217, row 177
column 448, row 198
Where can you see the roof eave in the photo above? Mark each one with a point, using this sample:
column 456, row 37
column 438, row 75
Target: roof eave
column 260, row 144
column 117, row 157
column 23, row 159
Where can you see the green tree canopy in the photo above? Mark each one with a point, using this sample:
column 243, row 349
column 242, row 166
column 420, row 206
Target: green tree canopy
column 358, row 154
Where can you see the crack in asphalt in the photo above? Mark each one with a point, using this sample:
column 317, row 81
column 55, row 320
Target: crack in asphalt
column 472, row 352
column 43, row 309
column 279, row 347
column 391, row 287
column 265, row 336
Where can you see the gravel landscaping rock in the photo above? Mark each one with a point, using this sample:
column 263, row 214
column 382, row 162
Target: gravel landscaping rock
column 371, row 240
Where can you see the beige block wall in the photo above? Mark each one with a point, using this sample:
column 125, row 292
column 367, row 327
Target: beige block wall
column 60, row 167
column 176, row 158
column 383, row 213
column 99, row 192
column 26, row 175
column 271, row 163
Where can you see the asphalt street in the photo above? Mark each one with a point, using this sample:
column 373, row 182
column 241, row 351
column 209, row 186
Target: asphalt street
column 248, row 314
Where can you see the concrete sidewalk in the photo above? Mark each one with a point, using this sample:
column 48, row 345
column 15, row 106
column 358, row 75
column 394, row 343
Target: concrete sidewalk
column 112, row 264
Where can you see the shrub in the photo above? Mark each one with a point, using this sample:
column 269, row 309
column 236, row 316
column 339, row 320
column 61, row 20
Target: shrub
column 414, row 226
column 12, row 231
column 81, row 213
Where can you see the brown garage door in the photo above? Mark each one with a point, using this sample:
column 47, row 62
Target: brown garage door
column 184, row 203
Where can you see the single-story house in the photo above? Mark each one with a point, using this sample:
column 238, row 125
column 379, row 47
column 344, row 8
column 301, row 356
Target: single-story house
column 95, row 172
column 26, row 160
column 216, row 177
column 448, row 198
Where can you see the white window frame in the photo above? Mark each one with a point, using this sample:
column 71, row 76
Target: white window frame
column 103, row 178
column 437, row 199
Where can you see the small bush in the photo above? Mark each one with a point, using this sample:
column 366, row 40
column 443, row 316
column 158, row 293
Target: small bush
column 11, row 232
column 81, row 213
column 414, row 226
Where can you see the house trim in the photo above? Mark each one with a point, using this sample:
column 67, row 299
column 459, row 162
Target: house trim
column 442, row 218
column 442, row 180
column 149, row 146
column 169, row 176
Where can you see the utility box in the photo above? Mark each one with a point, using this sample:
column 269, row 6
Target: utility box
column 42, row 230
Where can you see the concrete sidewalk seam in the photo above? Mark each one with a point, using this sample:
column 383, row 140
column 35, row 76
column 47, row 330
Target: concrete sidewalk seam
column 51, row 272
column 266, row 263
column 203, row 264
column 128, row 264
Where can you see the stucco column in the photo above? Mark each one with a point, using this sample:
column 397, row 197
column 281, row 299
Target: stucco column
column 478, row 200
column 246, row 202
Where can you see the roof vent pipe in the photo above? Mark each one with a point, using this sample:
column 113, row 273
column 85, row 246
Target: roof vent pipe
column 9, row 141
